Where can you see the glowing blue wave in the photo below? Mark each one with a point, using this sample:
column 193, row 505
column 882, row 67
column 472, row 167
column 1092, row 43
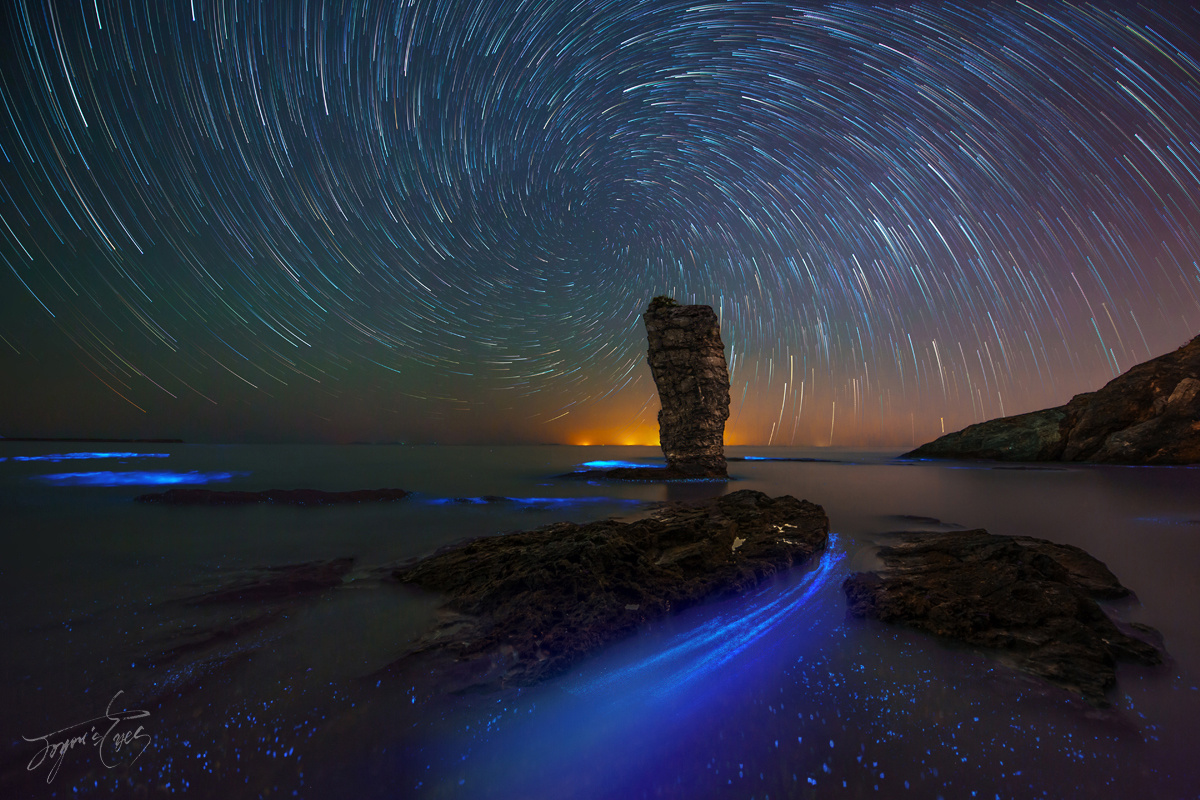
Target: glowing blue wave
column 712, row 646
column 73, row 456
column 615, row 464
column 136, row 478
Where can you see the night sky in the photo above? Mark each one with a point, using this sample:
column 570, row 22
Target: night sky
column 434, row 221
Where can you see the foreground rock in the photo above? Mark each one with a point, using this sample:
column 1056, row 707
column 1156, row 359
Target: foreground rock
column 1028, row 598
column 290, row 497
column 687, row 361
column 528, row 605
column 1148, row 415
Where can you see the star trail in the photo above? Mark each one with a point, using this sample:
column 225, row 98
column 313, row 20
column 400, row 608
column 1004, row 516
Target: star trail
column 440, row 221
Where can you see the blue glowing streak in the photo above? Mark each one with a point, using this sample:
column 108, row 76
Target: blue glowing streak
column 615, row 464
column 135, row 478
column 72, row 456
column 712, row 646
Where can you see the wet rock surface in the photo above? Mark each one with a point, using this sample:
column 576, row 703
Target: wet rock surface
column 1029, row 599
column 290, row 497
column 524, row 606
column 1147, row 415
column 687, row 361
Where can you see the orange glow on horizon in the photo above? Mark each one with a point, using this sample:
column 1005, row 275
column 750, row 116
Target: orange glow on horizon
column 641, row 435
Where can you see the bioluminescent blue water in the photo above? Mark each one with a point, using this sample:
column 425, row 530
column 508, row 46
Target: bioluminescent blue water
column 87, row 456
column 612, row 464
column 715, row 643
column 105, row 478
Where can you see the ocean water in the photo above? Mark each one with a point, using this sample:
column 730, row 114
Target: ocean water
column 774, row 694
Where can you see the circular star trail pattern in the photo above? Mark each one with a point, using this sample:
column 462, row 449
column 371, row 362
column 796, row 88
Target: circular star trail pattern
column 429, row 217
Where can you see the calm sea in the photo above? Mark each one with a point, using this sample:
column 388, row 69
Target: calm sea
column 775, row 694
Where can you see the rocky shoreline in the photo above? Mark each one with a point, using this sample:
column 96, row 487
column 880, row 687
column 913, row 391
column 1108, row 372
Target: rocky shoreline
column 1147, row 415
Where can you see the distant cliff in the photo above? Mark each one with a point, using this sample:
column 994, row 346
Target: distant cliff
column 1148, row 415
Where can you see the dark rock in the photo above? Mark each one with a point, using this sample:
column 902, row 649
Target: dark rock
column 687, row 361
column 291, row 497
column 1029, row 598
column 917, row 519
column 1147, row 415
column 530, row 604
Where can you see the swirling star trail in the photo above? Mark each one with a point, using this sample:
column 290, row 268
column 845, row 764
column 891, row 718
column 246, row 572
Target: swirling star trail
column 440, row 221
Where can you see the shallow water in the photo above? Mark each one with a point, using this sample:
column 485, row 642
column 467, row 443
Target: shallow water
column 773, row 694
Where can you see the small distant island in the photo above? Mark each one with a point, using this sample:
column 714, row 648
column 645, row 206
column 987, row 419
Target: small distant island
column 1148, row 415
column 87, row 440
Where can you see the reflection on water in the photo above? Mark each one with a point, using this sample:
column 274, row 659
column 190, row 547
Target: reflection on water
column 614, row 463
column 107, row 478
column 776, row 693
column 87, row 456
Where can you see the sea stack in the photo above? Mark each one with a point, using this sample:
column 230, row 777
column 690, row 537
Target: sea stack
column 687, row 360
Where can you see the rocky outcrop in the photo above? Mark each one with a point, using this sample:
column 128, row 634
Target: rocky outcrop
column 524, row 606
column 1148, row 415
column 1027, row 598
column 687, row 360
column 290, row 497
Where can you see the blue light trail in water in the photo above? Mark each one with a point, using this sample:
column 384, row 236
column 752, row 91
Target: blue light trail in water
column 136, row 478
column 56, row 457
column 703, row 651
column 614, row 464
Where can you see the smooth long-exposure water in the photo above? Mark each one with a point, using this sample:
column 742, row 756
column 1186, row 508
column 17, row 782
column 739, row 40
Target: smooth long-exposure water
column 770, row 695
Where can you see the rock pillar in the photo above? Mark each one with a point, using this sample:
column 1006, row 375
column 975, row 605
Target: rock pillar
column 687, row 360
